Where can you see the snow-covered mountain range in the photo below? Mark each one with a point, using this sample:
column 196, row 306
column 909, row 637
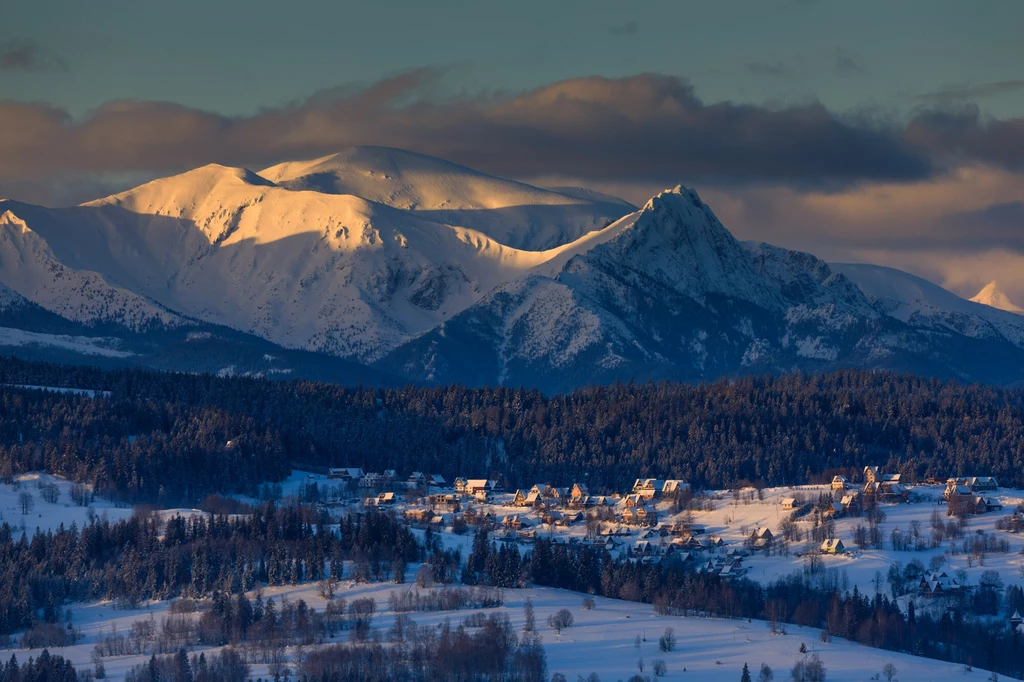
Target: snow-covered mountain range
column 424, row 270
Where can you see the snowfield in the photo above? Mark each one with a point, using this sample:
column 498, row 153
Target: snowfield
column 45, row 515
column 601, row 640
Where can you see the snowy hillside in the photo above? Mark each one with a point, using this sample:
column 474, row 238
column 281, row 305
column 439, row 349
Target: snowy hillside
column 433, row 272
column 669, row 293
column 512, row 213
column 924, row 305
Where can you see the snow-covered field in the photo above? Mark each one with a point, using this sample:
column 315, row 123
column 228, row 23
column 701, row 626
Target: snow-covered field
column 46, row 515
column 86, row 345
column 601, row 640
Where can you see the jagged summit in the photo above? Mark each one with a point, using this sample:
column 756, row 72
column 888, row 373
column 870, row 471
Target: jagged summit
column 992, row 295
column 432, row 271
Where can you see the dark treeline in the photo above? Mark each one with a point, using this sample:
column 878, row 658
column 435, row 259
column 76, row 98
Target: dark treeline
column 176, row 438
column 45, row 668
column 142, row 558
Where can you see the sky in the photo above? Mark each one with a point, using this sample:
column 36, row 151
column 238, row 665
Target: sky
column 889, row 132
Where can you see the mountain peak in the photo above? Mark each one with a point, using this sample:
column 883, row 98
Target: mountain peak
column 992, row 295
column 677, row 193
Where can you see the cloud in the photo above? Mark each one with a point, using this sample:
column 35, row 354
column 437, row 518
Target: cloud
column 627, row 29
column 972, row 92
column 845, row 63
column 768, row 69
column 648, row 126
column 26, row 55
column 963, row 133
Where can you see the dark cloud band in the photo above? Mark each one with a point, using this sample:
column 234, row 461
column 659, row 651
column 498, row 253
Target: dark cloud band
column 646, row 127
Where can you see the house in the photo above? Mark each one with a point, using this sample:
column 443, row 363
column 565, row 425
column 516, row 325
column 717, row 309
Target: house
column 515, row 522
column 939, row 584
column 551, row 517
column 957, row 487
column 474, row 486
column 1016, row 620
column 371, row 480
column 418, row 515
column 542, row 489
column 763, row 538
column 889, row 491
column 835, row 510
column 635, row 500
column 460, row 485
column 833, row 546
column 851, row 502
column 390, row 475
column 578, row 491
column 871, row 474
column 648, row 487
column 891, row 478
column 345, row 473
column 789, row 503
column 447, row 502
column 982, row 483
column 644, row 516
column 386, row 499
column 436, row 481
column 983, row 505
column 674, row 486
column 559, row 496
column 643, row 548
column 840, row 483
column 416, row 479
column 572, row 517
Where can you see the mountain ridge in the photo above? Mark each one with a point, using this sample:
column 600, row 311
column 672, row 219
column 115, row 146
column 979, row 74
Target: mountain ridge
column 662, row 292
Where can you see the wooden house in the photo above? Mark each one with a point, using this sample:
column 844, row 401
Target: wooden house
column 833, row 546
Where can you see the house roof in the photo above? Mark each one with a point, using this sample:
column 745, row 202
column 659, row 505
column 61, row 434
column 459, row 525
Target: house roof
column 354, row 472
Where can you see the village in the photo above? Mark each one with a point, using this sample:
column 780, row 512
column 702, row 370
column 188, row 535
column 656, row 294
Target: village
column 730, row 533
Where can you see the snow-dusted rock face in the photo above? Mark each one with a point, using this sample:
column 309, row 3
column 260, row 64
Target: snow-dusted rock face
column 671, row 294
column 511, row 213
column 430, row 271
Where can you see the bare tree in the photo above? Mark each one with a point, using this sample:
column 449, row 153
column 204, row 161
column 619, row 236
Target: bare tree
column 26, row 502
column 531, row 619
column 667, row 642
column 810, row 669
column 560, row 620
column 50, row 492
column 889, row 671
